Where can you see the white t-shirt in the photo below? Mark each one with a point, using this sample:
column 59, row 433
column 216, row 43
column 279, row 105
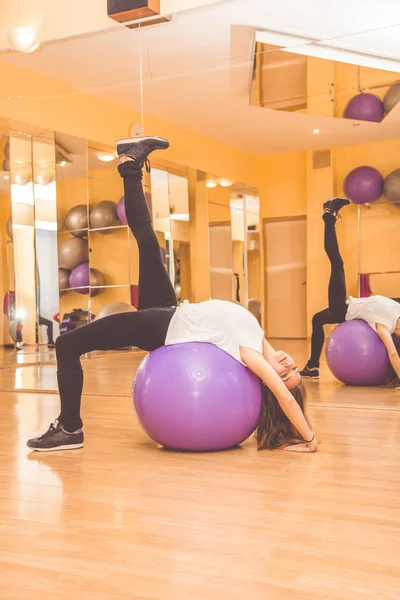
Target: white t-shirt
column 374, row 310
column 219, row 322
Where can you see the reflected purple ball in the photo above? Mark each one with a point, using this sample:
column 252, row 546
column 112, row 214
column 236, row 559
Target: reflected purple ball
column 80, row 278
column 121, row 210
column 363, row 185
column 365, row 107
column 356, row 355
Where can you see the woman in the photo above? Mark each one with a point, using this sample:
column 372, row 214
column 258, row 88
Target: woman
column 382, row 314
column 158, row 322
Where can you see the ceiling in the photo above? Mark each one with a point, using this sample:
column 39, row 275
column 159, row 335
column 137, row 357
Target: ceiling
column 197, row 68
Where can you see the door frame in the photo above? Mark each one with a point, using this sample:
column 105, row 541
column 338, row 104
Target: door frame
column 264, row 222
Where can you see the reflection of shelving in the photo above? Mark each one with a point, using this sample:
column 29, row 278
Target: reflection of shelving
column 87, row 231
column 95, row 287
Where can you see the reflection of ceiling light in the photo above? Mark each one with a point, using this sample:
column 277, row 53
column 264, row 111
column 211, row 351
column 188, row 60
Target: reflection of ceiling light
column 225, row 182
column 179, row 216
column 44, row 179
column 21, row 179
column 211, row 184
column 106, row 156
column 24, row 38
column 315, row 131
column 6, row 177
column 63, row 163
column 47, row 225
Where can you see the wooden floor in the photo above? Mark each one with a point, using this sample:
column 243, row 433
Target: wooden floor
column 123, row 518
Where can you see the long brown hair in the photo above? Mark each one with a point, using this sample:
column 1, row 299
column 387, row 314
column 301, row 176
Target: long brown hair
column 274, row 428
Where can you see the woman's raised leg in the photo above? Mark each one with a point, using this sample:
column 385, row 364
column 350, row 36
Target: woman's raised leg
column 337, row 294
column 155, row 287
column 145, row 329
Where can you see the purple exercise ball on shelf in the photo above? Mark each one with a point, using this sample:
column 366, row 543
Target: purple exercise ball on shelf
column 80, row 278
column 363, row 185
column 196, row 397
column 365, row 107
column 121, row 210
column 356, row 355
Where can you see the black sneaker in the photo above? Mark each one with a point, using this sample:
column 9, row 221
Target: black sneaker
column 140, row 148
column 310, row 373
column 56, row 438
column 334, row 205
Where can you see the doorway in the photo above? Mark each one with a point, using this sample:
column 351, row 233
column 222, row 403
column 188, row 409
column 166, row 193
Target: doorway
column 285, row 259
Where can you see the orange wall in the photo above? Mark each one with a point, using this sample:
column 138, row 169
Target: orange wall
column 58, row 107
column 380, row 224
column 291, row 187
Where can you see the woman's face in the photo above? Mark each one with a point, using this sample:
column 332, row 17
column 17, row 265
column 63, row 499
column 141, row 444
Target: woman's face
column 285, row 366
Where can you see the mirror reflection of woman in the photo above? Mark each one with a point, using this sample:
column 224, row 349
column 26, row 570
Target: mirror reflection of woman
column 283, row 422
column 381, row 313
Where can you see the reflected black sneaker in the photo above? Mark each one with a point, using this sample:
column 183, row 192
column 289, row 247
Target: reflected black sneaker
column 310, row 373
column 334, row 205
column 140, row 148
column 56, row 438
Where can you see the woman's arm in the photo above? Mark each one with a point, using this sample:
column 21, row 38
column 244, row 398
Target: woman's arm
column 268, row 350
column 257, row 363
column 387, row 339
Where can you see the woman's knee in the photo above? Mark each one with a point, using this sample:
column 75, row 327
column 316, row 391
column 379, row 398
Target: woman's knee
column 318, row 320
column 65, row 345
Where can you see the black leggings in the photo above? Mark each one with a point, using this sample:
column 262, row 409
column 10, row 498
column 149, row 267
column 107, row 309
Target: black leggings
column 49, row 325
column 147, row 328
column 336, row 313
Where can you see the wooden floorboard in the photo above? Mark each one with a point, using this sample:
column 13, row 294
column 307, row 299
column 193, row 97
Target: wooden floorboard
column 123, row 518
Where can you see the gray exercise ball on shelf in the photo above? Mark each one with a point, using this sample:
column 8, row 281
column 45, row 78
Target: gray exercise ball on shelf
column 9, row 229
column 96, row 278
column 392, row 97
column 76, row 220
column 104, row 214
column 73, row 252
column 63, row 280
column 113, row 309
column 391, row 188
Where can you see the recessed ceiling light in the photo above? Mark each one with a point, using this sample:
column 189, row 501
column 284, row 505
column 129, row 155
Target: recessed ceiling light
column 63, row 163
column 225, row 182
column 106, row 156
column 24, row 39
column 211, row 184
column 315, row 130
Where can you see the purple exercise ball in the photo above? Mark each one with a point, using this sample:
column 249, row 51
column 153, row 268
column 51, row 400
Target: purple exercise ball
column 363, row 185
column 121, row 210
column 196, row 397
column 80, row 278
column 356, row 355
column 365, row 107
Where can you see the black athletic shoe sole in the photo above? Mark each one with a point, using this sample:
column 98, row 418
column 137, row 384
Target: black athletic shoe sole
column 133, row 146
column 336, row 204
column 56, row 448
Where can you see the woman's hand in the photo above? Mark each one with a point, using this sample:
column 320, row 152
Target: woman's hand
column 305, row 447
